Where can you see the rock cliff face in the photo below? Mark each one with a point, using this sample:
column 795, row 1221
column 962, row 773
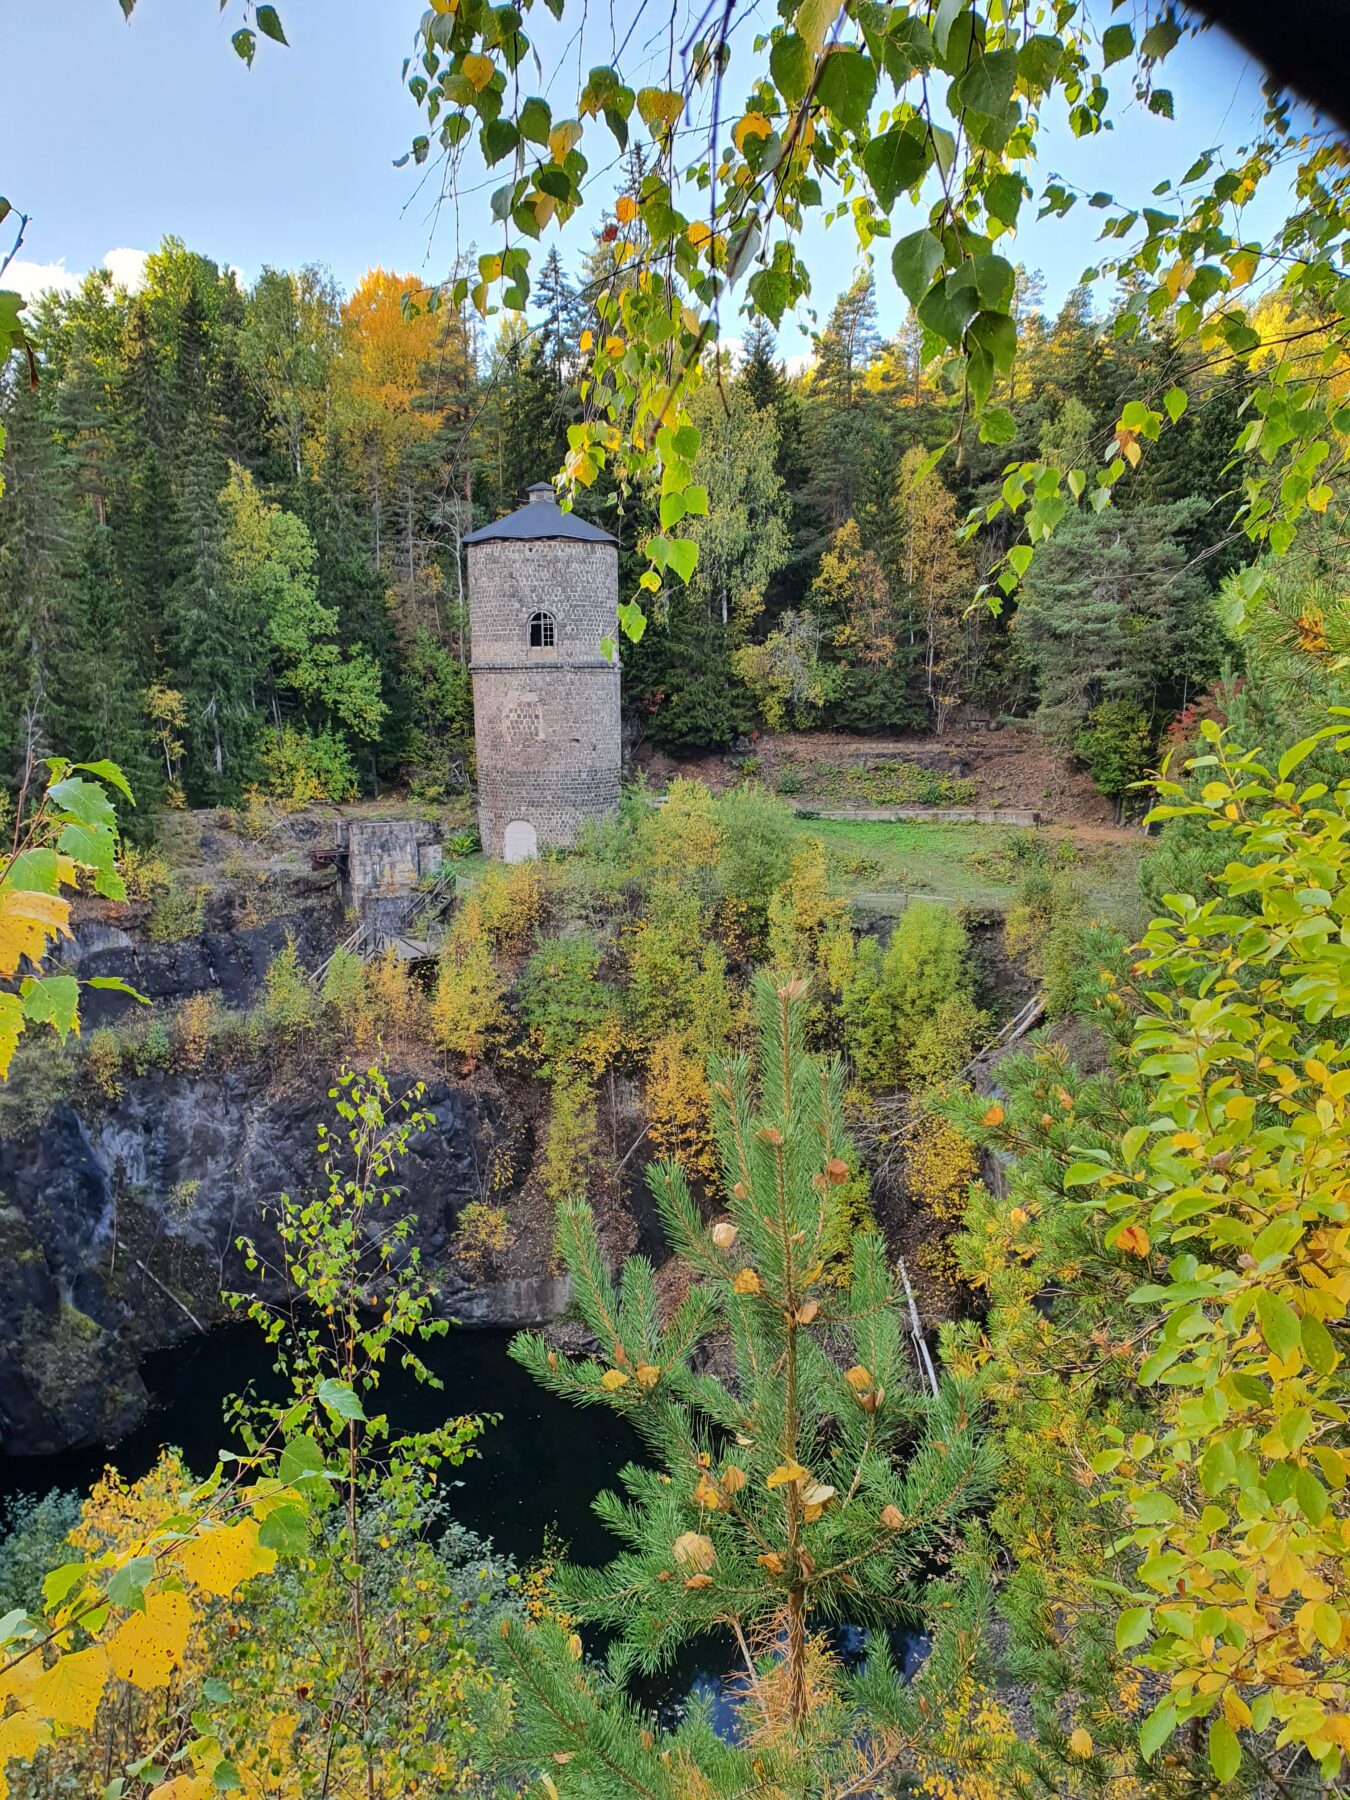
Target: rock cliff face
column 118, row 1229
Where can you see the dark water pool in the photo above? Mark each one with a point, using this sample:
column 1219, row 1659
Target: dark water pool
column 533, row 1478
column 536, row 1471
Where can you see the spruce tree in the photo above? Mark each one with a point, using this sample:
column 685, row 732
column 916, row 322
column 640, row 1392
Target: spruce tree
column 814, row 1484
column 760, row 372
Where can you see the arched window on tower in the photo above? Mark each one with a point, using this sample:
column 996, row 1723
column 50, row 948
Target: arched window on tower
column 543, row 631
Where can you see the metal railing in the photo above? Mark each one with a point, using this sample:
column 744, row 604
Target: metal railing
column 422, row 907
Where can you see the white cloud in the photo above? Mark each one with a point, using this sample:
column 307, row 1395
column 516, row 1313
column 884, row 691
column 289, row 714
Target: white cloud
column 126, row 266
column 798, row 364
column 32, row 278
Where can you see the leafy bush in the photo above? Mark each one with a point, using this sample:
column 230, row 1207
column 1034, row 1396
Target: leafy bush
column 909, row 1018
column 679, row 1107
column 791, row 782
column 103, row 1062
column 468, row 1016
column 176, row 913
column 344, row 989
column 563, row 1000
column 569, row 1151
column 33, row 1540
column 145, row 873
column 758, row 841
column 482, row 1232
column 1116, row 745
column 511, row 897
column 1049, row 930
column 398, row 1007
column 195, row 1028
column 289, row 1004
column 304, row 766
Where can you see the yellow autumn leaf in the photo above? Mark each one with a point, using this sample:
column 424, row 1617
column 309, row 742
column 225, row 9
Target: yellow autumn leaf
column 754, row 124
column 733, row 1479
column 22, row 1735
column 477, row 71
column 563, row 139
column 147, row 1646
column 17, row 1677
column 660, row 106
column 1080, row 1741
column 724, row 1233
column 694, row 1551
column 186, row 1787
column 69, row 1692
column 613, row 1379
column 858, row 1378
column 615, row 346
column 785, row 1472
column 706, row 1494
column 626, row 209
column 222, row 1560
column 646, row 1375
column 1242, row 267
column 28, row 922
column 747, row 1282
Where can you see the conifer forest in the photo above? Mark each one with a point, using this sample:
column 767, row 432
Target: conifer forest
column 832, row 1281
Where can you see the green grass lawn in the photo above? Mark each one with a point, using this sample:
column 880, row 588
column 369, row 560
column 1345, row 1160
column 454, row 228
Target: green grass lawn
column 878, row 864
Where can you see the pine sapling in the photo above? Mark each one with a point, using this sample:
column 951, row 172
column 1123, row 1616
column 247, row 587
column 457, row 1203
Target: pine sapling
column 812, row 1485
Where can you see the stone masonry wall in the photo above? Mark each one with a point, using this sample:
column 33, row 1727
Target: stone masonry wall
column 546, row 722
column 387, row 856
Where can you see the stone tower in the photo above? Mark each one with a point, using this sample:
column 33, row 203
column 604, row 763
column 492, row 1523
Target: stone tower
column 543, row 588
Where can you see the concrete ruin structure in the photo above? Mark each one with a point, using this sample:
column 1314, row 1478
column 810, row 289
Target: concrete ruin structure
column 543, row 588
column 382, row 863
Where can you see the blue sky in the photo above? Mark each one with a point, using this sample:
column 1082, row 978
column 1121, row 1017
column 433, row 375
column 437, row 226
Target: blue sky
column 112, row 135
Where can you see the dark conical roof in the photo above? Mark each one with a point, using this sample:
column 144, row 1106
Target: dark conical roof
column 540, row 517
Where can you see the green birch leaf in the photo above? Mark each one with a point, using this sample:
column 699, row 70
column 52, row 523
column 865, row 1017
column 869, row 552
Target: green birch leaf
column 34, row 872
column 53, row 1000
column 109, row 771
column 1280, row 1324
column 916, row 259
column 895, row 161
column 846, row 86
column 790, row 64
column 1225, row 1753
column 338, row 1398
column 83, row 800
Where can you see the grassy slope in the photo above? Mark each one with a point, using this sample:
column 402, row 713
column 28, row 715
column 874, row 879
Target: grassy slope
column 975, row 865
